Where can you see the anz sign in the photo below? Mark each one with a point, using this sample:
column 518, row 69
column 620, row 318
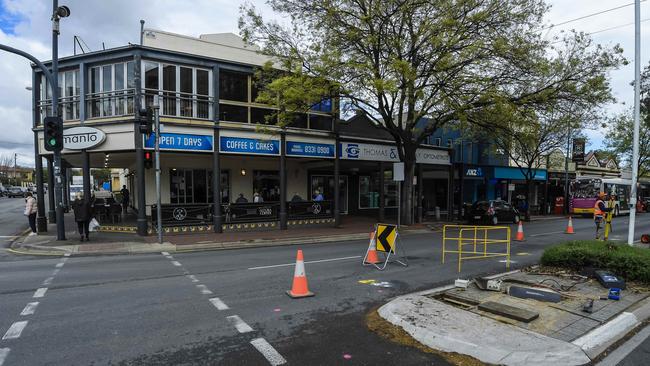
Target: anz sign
column 474, row 172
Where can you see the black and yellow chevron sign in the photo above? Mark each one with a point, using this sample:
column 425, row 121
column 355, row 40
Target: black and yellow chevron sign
column 386, row 236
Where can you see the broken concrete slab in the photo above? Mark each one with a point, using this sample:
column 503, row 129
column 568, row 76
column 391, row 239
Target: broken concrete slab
column 450, row 329
column 508, row 311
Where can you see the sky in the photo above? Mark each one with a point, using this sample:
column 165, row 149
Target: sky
column 25, row 24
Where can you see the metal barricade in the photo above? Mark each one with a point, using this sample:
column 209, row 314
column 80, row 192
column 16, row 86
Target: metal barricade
column 469, row 235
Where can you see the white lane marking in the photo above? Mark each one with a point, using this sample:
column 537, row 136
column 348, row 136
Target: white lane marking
column 317, row 261
column 193, row 278
column 66, row 255
column 176, row 263
column 220, row 305
column 271, row 355
column 239, row 324
column 30, row 308
column 48, row 281
column 54, row 273
column 4, row 352
column 15, row 330
column 204, row 289
column 59, row 265
column 164, row 253
column 169, row 257
column 542, row 234
column 64, row 259
column 8, row 236
column 40, row 292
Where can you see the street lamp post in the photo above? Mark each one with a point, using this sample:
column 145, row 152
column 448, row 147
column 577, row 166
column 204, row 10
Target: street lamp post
column 637, row 91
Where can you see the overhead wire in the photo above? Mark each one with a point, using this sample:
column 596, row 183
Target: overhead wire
column 589, row 15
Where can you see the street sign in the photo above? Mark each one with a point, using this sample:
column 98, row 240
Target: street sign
column 386, row 236
column 398, row 172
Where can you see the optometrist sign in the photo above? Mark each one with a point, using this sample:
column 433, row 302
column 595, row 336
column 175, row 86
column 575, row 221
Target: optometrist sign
column 180, row 142
column 251, row 146
column 388, row 153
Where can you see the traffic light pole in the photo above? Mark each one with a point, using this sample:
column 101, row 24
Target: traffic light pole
column 156, row 109
column 54, row 82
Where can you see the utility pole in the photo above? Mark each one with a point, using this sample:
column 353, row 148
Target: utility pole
column 156, row 110
column 637, row 91
column 15, row 177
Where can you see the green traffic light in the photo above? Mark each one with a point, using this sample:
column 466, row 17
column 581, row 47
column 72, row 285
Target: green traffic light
column 52, row 142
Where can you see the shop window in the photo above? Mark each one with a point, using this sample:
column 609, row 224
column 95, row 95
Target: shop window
column 317, row 122
column 94, row 89
column 233, row 86
column 267, row 184
column 369, row 191
column 186, row 92
column 202, row 93
column 233, row 113
column 263, row 116
column 298, row 120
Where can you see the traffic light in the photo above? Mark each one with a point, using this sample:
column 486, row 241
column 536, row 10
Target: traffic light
column 146, row 120
column 53, row 133
column 148, row 160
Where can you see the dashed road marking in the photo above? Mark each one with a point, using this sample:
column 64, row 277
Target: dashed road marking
column 40, row 292
column 30, row 308
column 164, row 253
column 271, row 355
column 59, row 265
column 204, row 289
column 66, row 255
column 15, row 330
column 48, row 281
column 4, row 352
column 177, row 264
column 220, row 305
column 239, row 324
column 317, row 261
column 192, row 277
column 56, row 271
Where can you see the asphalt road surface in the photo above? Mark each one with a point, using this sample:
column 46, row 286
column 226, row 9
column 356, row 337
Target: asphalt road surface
column 230, row 307
column 12, row 220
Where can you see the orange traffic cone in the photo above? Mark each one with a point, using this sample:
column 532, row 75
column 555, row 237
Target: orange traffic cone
column 520, row 232
column 371, row 256
column 569, row 227
column 299, row 287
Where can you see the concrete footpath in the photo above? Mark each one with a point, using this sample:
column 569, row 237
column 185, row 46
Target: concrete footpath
column 443, row 327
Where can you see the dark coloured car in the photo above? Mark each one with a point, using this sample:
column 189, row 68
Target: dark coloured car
column 13, row 192
column 493, row 212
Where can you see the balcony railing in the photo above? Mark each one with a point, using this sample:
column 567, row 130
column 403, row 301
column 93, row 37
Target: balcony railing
column 110, row 104
column 177, row 104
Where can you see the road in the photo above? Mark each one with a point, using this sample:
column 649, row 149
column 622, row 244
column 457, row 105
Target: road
column 12, row 222
column 229, row 307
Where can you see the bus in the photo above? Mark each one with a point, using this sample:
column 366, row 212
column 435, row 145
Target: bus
column 584, row 193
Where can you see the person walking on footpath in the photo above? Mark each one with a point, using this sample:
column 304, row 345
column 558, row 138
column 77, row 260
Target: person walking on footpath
column 600, row 209
column 30, row 211
column 125, row 198
column 82, row 215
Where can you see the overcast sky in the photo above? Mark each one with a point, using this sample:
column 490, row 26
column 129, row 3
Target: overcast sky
column 25, row 24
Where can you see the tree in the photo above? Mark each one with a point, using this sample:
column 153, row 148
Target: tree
column 620, row 138
column 399, row 61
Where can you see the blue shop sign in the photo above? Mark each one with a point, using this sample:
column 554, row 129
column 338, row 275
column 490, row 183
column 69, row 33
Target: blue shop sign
column 310, row 149
column 180, row 141
column 242, row 145
column 474, row 172
column 517, row 174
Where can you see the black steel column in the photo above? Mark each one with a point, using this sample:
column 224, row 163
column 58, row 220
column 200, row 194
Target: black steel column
column 382, row 198
column 337, row 184
column 283, row 181
column 420, row 189
column 461, row 193
column 85, row 157
column 216, row 159
column 41, row 220
column 139, row 151
column 51, row 213
column 65, row 172
column 450, row 193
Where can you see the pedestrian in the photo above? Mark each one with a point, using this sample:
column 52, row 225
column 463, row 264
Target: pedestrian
column 257, row 198
column 318, row 196
column 599, row 212
column 30, row 211
column 125, row 198
column 296, row 197
column 82, row 215
column 241, row 199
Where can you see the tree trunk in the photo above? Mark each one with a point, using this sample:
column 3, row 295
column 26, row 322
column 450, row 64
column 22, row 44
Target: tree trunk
column 407, row 190
column 529, row 194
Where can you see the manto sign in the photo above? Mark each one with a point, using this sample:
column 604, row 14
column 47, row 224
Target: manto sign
column 388, row 153
column 79, row 138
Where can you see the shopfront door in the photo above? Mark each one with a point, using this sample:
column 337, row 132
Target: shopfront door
column 325, row 185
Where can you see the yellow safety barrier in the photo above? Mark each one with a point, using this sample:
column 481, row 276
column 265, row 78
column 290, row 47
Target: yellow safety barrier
column 470, row 235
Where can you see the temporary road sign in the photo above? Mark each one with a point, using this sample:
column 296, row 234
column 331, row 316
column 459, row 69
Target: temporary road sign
column 386, row 236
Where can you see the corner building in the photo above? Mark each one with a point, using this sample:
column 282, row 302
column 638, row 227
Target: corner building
column 210, row 123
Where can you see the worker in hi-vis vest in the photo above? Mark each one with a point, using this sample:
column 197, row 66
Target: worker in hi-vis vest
column 609, row 216
column 600, row 209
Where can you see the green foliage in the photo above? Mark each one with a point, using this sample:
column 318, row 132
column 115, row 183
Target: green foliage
column 631, row 263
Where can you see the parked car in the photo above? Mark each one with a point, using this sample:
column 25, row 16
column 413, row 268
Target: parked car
column 15, row 192
column 493, row 212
